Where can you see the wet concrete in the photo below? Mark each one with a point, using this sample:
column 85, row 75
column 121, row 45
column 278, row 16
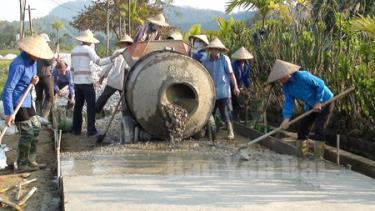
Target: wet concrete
column 202, row 177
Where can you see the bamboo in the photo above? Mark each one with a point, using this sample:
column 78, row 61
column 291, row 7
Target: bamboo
column 27, row 197
column 10, row 204
column 25, row 182
column 19, row 191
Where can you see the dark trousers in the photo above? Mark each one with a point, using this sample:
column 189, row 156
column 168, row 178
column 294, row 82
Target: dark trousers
column 224, row 109
column 102, row 100
column 84, row 92
column 44, row 88
column 321, row 120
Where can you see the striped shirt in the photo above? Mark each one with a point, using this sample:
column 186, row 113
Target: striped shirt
column 82, row 57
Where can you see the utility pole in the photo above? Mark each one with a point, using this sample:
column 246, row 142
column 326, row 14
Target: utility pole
column 22, row 17
column 129, row 31
column 107, row 30
column 30, row 21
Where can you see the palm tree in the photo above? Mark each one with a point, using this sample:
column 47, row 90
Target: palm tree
column 364, row 24
column 264, row 6
column 57, row 25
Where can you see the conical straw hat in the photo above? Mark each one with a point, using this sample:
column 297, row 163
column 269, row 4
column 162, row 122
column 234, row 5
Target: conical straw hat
column 36, row 46
column 87, row 36
column 280, row 69
column 126, row 39
column 175, row 35
column 216, row 44
column 202, row 37
column 158, row 20
column 242, row 54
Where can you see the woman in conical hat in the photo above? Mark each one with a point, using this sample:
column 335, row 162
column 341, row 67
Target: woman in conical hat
column 304, row 86
column 198, row 47
column 115, row 74
column 151, row 30
column 22, row 72
column 220, row 69
column 241, row 69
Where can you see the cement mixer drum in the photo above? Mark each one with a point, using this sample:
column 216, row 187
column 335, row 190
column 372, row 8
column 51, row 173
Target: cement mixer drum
column 167, row 77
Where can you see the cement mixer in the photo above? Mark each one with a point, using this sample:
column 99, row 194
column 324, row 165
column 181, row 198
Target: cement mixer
column 163, row 74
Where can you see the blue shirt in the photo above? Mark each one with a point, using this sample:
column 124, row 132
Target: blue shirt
column 64, row 79
column 306, row 87
column 242, row 75
column 21, row 71
column 220, row 71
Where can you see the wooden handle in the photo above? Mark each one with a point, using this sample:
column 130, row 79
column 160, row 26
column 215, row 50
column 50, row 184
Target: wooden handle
column 301, row 116
column 23, row 97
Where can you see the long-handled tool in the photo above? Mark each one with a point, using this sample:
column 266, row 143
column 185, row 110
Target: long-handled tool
column 296, row 119
column 23, row 97
column 102, row 136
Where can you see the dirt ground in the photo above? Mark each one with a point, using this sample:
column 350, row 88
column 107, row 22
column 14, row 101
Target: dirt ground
column 47, row 195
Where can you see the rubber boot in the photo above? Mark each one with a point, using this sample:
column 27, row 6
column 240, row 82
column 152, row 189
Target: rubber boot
column 32, row 160
column 319, row 150
column 230, row 131
column 302, row 148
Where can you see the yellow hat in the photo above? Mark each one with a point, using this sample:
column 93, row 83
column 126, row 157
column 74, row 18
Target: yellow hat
column 175, row 35
column 87, row 36
column 126, row 39
column 280, row 69
column 242, row 54
column 36, row 46
column 216, row 44
column 158, row 20
column 201, row 37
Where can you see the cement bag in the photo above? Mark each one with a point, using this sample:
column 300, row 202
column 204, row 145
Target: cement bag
column 3, row 157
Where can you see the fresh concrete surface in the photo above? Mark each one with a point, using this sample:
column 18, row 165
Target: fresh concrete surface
column 191, row 180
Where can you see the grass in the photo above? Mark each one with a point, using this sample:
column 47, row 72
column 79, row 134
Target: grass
column 4, row 64
column 4, row 52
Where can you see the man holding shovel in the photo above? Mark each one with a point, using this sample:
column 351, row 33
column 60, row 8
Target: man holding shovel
column 22, row 72
column 304, row 86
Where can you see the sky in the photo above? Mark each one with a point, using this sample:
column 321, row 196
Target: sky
column 10, row 8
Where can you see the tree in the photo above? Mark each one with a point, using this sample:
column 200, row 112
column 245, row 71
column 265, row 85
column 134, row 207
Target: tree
column 264, row 6
column 94, row 16
column 57, row 25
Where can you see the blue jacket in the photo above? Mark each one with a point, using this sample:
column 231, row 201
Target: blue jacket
column 306, row 87
column 242, row 76
column 67, row 79
column 200, row 56
column 21, row 72
column 220, row 71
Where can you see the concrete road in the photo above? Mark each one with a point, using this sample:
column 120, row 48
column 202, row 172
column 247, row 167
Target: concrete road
column 210, row 180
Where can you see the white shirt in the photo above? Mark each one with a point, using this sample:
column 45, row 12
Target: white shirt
column 115, row 72
column 82, row 58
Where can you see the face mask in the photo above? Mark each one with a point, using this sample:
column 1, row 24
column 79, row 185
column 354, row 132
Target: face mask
column 198, row 45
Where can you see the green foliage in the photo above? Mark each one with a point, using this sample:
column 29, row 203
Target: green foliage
column 327, row 44
column 4, row 65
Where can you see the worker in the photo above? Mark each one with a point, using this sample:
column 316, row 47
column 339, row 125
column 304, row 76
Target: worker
column 220, row 69
column 241, row 68
column 115, row 73
column 82, row 57
column 175, row 35
column 22, row 72
column 198, row 47
column 304, row 86
column 44, row 89
column 63, row 78
column 151, row 30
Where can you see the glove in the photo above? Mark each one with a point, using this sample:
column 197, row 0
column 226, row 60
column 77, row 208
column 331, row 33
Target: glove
column 285, row 124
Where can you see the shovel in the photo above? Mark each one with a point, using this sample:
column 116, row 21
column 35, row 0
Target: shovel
column 3, row 148
column 295, row 119
column 101, row 137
